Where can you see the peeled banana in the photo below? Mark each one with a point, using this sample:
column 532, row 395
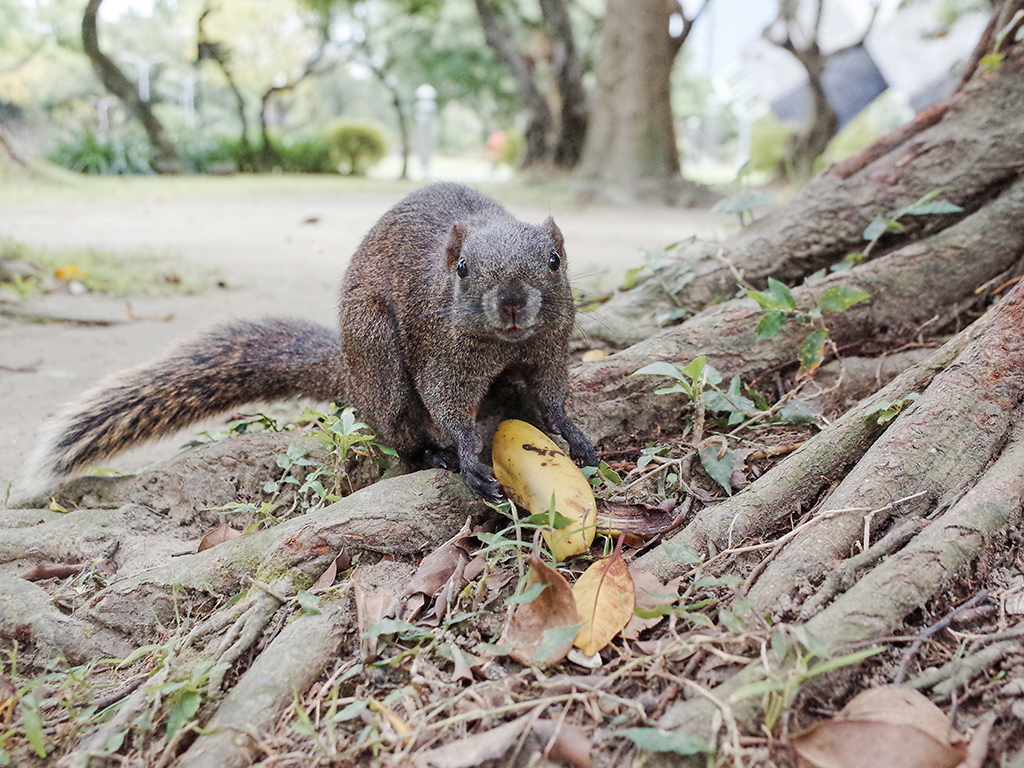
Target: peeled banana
column 532, row 469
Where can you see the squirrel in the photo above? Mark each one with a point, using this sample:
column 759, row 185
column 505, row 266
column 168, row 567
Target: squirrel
column 451, row 309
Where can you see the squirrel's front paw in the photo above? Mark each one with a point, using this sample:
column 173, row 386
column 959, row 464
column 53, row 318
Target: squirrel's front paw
column 582, row 452
column 480, row 480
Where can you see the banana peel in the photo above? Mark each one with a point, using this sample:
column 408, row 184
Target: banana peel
column 532, row 469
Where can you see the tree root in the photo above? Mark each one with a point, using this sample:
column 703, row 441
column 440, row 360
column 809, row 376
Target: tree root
column 284, row 670
column 397, row 517
column 827, row 220
column 957, row 673
column 768, row 504
column 985, row 389
column 928, row 282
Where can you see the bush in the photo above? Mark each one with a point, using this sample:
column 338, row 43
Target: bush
column 308, row 155
column 355, row 146
column 83, row 151
column 304, row 155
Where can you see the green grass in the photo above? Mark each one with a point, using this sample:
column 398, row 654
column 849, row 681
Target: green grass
column 144, row 273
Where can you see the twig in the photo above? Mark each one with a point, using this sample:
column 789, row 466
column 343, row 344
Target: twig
column 841, row 578
column 926, row 634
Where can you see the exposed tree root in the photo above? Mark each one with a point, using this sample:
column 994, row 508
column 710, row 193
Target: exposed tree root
column 983, row 392
column 930, row 282
column 969, row 147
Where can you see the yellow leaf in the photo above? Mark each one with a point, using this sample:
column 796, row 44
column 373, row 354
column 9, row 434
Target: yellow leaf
column 533, row 470
column 70, row 272
column 605, row 596
column 401, row 727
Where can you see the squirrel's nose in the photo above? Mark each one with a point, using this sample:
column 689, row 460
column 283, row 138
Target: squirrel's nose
column 511, row 302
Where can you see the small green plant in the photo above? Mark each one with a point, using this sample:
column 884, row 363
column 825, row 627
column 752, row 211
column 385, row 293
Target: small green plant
column 356, row 145
column 991, row 61
column 743, row 204
column 344, row 438
column 700, row 381
column 886, row 411
column 794, row 650
column 186, row 696
column 780, row 307
column 664, row 266
column 929, row 205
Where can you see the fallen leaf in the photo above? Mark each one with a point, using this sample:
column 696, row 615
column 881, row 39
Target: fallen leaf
column 326, row 579
column 605, row 597
column 563, row 742
column 637, row 519
column 397, row 723
column 218, row 535
column 372, row 605
column 650, row 594
column 539, row 631
column 462, row 669
column 657, row 740
column 51, row 571
column 892, row 725
column 437, row 567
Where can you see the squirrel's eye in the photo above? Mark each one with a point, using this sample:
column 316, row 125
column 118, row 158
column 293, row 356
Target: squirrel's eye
column 554, row 261
column 462, row 269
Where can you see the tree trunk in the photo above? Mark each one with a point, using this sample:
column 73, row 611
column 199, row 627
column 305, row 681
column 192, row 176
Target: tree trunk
column 822, row 123
column 214, row 51
column 569, row 75
column 166, row 158
column 630, row 152
column 539, row 122
column 381, row 73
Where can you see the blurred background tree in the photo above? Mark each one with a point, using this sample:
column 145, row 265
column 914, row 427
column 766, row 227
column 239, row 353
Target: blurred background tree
column 630, row 100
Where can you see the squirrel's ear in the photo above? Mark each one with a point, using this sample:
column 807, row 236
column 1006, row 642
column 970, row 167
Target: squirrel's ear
column 555, row 232
column 455, row 239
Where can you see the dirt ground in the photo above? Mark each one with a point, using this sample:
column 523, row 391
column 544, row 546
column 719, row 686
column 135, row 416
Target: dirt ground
column 276, row 251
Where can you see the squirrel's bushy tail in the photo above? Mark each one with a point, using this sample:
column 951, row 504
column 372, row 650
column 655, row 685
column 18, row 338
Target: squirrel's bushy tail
column 223, row 368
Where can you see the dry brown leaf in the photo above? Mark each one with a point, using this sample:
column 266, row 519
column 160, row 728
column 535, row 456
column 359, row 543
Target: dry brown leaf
column 326, row 579
column 552, row 609
column 650, row 594
column 462, row 669
column 605, row 597
column 475, row 567
column 640, row 520
column 892, row 725
column 474, row 750
column 218, row 535
column 372, row 605
column 437, row 567
column 52, row 571
column 562, row 742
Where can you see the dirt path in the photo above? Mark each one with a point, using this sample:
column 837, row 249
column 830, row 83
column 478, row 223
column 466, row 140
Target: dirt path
column 278, row 253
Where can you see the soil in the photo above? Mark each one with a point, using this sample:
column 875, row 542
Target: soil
column 268, row 252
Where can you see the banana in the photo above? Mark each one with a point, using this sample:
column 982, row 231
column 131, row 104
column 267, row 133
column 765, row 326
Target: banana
column 532, row 468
